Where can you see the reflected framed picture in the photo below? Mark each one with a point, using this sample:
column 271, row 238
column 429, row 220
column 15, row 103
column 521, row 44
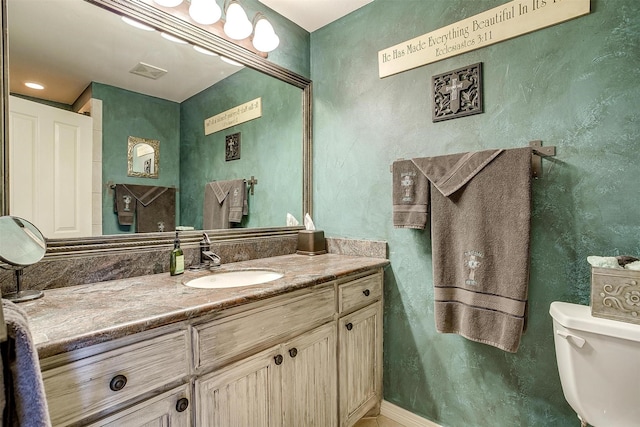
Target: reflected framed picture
column 143, row 157
column 232, row 147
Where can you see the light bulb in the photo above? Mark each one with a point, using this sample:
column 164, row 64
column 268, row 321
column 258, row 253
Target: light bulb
column 238, row 26
column 264, row 37
column 168, row 3
column 205, row 12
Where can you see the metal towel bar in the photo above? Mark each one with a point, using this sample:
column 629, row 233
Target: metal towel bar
column 538, row 152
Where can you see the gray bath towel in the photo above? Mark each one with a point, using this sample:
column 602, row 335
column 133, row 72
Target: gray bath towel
column 224, row 202
column 155, row 207
column 480, row 227
column 24, row 390
column 410, row 195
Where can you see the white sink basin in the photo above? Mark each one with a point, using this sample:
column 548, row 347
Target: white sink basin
column 234, row 279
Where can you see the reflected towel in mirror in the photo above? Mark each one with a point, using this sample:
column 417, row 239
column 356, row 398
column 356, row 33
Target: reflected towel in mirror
column 225, row 202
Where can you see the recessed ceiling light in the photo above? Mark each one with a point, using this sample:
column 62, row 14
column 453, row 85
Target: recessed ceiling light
column 172, row 38
column 137, row 24
column 230, row 61
column 168, row 3
column 205, row 51
column 33, row 85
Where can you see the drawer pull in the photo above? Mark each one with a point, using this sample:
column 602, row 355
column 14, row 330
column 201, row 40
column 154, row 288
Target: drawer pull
column 349, row 326
column 278, row 359
column 366, row 292
column 293, row 352
column 182, row 404
column 118, row 382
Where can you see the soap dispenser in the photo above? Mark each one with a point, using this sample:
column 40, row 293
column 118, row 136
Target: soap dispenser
column 176, row 265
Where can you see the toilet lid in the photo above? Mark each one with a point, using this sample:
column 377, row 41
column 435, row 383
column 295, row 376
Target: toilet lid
column 578, row 317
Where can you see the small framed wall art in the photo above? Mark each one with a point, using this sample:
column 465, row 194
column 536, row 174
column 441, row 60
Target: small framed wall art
column 457, row 93
column 232, row 147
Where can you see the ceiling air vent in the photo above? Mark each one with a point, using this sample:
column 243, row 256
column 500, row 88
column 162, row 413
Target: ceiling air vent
column 148, row 71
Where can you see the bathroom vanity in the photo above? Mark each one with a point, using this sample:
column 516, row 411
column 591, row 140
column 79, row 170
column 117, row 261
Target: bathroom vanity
column 303, row 350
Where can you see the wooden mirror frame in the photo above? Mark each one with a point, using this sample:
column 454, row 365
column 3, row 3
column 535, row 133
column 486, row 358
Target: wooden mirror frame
column 118, row 243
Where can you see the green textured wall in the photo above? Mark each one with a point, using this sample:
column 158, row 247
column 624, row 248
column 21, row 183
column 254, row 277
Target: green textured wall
column 572, row 86
column 271, row 148
column 125, row 114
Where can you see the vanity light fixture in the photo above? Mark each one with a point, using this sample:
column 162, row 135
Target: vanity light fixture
column 34, row 85
column 205, row 12
column 235, row 25
column 137, row 24
column 264, row 36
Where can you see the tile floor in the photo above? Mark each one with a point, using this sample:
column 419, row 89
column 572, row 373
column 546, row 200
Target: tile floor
column 379, row 421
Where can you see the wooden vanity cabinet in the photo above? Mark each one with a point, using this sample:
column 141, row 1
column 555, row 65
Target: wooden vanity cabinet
column 167, row 409
column 360, row 348
column 290, row 383
column 312, row 357
column 85, row 384
column 287, row 385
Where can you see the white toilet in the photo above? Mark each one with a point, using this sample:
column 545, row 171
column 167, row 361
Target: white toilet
column 599, row 365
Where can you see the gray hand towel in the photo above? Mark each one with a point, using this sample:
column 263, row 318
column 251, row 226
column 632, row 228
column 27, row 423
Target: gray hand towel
column 410, row 195
column 155, row 208
column 215, row 213
column 238, row 200
column 224, row 202
column 24, row 390
column 480, row 227
column 124, row 204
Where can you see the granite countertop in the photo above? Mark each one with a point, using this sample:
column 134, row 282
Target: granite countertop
column 69, row 318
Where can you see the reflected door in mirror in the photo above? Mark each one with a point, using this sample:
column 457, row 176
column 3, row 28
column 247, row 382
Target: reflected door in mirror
column 52, row 185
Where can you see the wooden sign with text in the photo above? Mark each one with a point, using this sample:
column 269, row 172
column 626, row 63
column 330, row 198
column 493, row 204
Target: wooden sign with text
column 240, row 114
column 501, row 23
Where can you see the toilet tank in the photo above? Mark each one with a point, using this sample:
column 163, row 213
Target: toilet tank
column 599, row 365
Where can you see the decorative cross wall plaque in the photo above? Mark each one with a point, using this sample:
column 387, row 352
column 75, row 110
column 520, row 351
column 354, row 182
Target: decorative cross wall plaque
column 232, row 147
column 457, row 93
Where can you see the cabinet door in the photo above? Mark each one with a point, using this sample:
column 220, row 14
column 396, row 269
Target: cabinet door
column 309, row 390
column 360, row 362
column 170, row 409
column 244, row 394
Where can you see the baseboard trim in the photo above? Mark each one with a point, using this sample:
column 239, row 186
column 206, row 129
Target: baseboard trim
column 404, row 417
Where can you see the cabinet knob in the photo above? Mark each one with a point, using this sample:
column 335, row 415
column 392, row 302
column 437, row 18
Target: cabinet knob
column 118, row 382
column 278, row 359
column 366, row 292
column 349, row 326
column 182, row 404
column 293, row 352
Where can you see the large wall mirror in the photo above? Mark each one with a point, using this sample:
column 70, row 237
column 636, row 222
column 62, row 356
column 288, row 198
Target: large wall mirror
column 139, row 84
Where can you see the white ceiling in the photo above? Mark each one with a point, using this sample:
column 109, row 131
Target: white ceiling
column 314, row 14
column 67, row 44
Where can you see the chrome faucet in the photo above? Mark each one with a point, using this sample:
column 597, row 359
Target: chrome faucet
column 207, row 257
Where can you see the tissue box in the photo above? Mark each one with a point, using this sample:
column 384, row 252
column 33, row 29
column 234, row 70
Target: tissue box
column 615, row 294
column 311, row 242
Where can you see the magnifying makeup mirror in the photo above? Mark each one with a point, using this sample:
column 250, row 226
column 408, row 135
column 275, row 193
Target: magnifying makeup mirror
column 21, row 244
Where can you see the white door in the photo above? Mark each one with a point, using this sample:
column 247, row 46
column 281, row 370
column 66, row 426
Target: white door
column 50, row 155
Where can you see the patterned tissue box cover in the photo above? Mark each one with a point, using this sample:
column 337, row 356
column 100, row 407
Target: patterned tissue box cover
column 615, row 294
